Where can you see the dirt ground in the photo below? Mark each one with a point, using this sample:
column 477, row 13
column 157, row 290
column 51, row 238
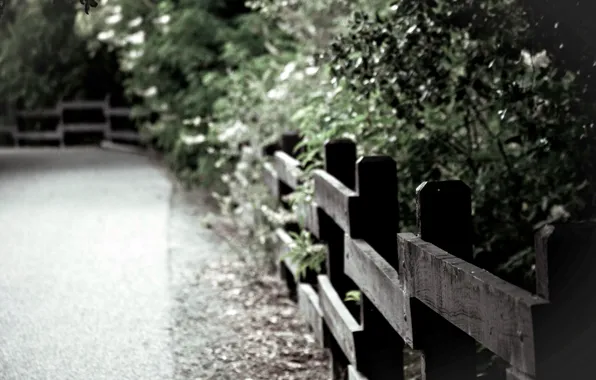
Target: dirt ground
column 230, row 320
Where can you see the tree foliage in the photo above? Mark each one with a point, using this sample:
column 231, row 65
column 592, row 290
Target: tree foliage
column 472, row 101
column 451, row 90
column 43, row 58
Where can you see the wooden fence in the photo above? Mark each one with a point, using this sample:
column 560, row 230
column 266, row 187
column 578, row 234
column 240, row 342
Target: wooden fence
column 420, row 290
column 60, row 127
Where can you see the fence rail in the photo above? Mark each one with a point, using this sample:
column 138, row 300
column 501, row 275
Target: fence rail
column 421, row 290
column 62, row 127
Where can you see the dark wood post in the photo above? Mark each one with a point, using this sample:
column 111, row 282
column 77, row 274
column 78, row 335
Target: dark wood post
column 340, row 162
column 376, row 221
column 565, row 328
column 444, row 217
column 288, row 143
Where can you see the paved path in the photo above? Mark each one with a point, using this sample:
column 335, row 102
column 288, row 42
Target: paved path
column 83, row 266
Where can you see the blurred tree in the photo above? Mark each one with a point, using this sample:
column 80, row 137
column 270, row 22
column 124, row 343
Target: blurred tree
column 42, row 59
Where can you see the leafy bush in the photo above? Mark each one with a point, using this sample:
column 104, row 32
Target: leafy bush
column 471, row 101
column 41, row 58
column 451, row 90
column 178, row 55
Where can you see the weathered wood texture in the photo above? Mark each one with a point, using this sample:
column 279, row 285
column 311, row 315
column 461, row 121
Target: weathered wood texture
column 334, row 198
column 444, row 211
column 309, row 216
column 271, row 179
column 282, row 177
column 285, row 245
column 340, row 162
column 353, row 373
column 339, row 320
column 288, row 169
column 62, row 128
column 422, row 290
column 375, row 221
column 310, row 307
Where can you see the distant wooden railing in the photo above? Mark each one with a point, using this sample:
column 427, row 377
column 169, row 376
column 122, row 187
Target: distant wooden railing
column 62, row 127
column 420, row 290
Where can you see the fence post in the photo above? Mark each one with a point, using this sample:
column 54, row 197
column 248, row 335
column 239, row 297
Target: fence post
column 107, row 131
column 288, row 142
column 565, row 328
column 376, row 221
column 340, row 161
column 444, row 217
column 60, row 126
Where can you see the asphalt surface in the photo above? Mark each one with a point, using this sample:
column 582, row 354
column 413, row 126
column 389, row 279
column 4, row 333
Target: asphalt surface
column 83, row 266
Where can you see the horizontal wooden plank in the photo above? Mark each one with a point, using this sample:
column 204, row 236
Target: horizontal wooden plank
column 285, row 245
column 123, row 135
column 308, row 303
column 338, row 319
column 380, row 282
column 8, row 128
column 118, row 112
column 271, row 180
column 82, row 104
column 334, row 198
column 84, row 127
column 308, row 213
column 39, row 113
column 353, row 374
column 512, row 374
column 495, row 313
column 38, row 135
column 288, row 169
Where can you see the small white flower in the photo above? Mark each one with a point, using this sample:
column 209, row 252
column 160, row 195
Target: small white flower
column 237, row 129
column 128, row 65
column 310, row 71
column 287, row 71
column 135, row 22
column 196, row 121
column 193, row 140
column 540, row 59
column 163, row 19
column 106, row 35
column 114, row 19
column 242, row 166
column 559, row 212
column 135, row 54
column 136, row 38
column 151, row 91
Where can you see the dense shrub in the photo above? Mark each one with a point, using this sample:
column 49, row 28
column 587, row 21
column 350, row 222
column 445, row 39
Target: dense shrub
column 450, row 89
column 472, row 101
column 41, row 57
column 178, row 55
